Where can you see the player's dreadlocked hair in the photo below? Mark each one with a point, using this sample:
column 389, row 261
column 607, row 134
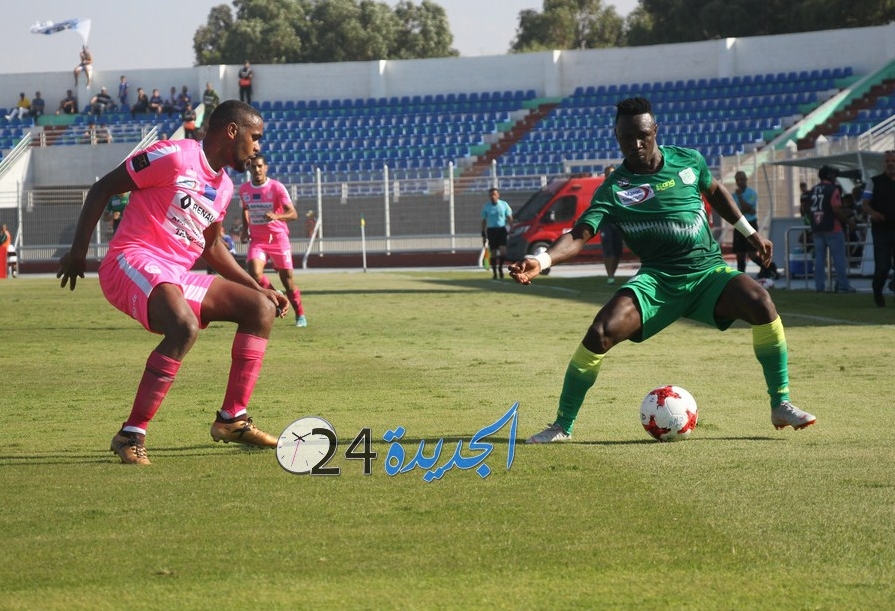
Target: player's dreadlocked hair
column 633, row 107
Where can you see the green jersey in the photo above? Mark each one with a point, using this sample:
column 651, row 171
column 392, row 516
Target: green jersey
column 661, row 216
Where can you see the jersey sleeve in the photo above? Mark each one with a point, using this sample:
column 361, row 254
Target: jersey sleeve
column 155, row 166
column 283, row 199
column 704, row 173
column 593, row 216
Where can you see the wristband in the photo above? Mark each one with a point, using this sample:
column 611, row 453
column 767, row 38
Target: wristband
column 744, row 227
column 543, row 259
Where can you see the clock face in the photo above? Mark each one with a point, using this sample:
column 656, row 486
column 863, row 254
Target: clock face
column 300, row 448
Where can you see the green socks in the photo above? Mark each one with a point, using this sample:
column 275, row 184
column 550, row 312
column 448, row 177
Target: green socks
column 581, row 374
column 769, row 344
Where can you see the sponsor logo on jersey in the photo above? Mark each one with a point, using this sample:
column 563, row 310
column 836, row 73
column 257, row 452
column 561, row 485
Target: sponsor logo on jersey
column 665, row 185
column 140, row 162
column 688, row 176
column 636, row 195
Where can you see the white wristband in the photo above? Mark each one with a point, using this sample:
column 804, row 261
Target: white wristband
column 744, row 227
column 543, row 259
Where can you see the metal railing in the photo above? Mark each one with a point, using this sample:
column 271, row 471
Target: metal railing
column 800, row 258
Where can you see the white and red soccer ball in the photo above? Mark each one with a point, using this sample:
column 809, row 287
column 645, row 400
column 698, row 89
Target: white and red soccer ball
column 669, row 413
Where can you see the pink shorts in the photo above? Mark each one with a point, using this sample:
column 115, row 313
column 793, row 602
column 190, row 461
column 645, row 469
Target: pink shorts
column 127, row 279
column 278, row 249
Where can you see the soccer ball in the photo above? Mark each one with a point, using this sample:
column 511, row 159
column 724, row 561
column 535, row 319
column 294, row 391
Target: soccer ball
column 669, row 413
column 766, row 283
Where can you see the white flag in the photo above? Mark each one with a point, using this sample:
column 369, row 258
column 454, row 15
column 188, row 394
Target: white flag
column 81, row 26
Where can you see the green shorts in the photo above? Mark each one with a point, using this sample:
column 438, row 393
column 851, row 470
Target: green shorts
column 665, row 298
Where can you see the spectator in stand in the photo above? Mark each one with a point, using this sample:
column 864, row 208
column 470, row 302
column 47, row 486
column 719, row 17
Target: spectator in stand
column 171, row 103
column 38, row 106
column 101, row 102
column 183, row 98
column 141, row 104
column 98, row 134
column 189, row 121
column 880, row 209
column 211, row 100
column 156, row 102
column 69, row 104
column 245, row 83
column 103, row 134
column 122, row 92
column 85, row 66
column 21, row 110
column 828, row 219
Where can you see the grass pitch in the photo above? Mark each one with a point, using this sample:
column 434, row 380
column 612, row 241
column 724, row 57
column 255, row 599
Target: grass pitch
column 741, row 516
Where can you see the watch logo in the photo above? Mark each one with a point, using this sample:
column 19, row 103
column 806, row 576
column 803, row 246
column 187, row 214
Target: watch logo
column 308, row 444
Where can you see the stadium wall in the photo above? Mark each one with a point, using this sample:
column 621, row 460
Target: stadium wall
column 550, row 74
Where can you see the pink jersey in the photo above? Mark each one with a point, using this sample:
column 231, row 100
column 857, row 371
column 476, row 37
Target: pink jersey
column 178, row 197
column 258, row 201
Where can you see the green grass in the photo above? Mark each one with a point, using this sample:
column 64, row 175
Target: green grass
column 739, row 517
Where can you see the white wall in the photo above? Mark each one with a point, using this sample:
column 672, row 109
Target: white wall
column 550, row 74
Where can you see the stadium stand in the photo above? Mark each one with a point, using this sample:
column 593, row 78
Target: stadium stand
column 509, row 133
column 351, row 140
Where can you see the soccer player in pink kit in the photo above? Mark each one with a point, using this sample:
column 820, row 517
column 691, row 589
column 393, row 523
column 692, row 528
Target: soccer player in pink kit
column 179, row 197
column 266, row 208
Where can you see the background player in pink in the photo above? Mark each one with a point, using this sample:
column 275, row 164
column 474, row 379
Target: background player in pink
column 266, row 208
column 179, row 196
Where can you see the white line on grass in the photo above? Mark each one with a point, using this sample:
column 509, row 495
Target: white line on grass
column 837, row 321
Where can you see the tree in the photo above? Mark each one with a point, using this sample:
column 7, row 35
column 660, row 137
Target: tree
column 345, row 30
column 264, row 31
column 669, row 21
column 569, row 24
column 211, row 38
column 302, row 31
column 423, row 31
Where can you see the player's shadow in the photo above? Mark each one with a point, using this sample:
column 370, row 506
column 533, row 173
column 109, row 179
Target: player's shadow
column 107, row 456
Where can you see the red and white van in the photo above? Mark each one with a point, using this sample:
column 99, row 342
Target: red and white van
column 551, row 212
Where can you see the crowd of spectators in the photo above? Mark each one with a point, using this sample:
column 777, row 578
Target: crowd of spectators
column 178, row 105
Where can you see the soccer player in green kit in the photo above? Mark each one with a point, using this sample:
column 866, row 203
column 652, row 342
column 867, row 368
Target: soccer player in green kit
column 654, row 198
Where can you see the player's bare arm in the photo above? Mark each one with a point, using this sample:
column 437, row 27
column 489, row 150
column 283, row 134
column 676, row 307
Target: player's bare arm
column 288, row 214
column 563, row 249
column 73, row 263
column 244, row 230
column 723, row 203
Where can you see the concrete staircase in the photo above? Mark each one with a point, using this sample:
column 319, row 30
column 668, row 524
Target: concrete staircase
column 508, row 139
column 847, row 113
